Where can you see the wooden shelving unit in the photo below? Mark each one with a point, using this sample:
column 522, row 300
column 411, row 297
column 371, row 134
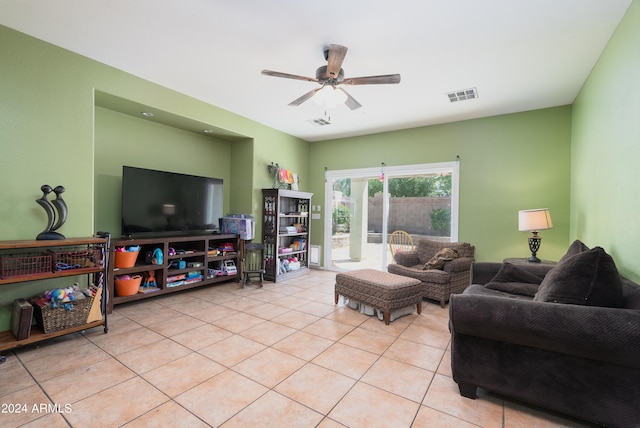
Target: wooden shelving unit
column 17, row 248
column 199, row 252
column 285, row 222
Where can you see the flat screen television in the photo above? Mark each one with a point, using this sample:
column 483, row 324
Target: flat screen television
column 164, row 203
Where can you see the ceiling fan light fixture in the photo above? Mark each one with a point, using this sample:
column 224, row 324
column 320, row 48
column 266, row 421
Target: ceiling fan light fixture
column 329, row 97
column 329, row 77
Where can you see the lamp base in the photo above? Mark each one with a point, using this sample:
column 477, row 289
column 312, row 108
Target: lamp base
column 534, row 246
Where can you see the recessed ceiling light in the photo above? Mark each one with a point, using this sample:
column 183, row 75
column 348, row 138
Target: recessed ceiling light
column 147, row 114
column 462, row 95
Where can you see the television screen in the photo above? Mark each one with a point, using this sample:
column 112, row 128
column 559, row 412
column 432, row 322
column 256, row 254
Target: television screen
column 158, row 202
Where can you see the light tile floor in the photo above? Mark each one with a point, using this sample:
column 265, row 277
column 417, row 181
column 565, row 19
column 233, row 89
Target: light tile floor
column 282, row 355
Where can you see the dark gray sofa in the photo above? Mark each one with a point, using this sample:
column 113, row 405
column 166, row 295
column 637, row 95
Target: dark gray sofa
column 576, row 358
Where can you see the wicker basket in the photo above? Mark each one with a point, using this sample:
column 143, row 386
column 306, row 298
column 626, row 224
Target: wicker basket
column 13, row 265
column 72, row 260
column 55, row 319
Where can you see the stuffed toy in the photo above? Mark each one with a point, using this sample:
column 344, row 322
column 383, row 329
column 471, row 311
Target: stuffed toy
column 150, row 279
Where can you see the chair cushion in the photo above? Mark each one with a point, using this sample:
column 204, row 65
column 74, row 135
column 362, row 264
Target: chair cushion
column 587, row 278
column 435, row 276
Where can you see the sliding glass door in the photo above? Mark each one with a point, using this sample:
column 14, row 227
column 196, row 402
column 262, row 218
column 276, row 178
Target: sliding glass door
column 364, row 206
column 352, row 224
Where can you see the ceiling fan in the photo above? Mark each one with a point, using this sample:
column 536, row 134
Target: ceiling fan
column 332, row 75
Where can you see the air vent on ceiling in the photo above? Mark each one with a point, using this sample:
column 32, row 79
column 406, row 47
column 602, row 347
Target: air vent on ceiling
column 464, row 94
column 321, row 121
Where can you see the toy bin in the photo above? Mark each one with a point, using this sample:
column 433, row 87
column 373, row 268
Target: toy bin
column 126, row 259
column 73, row 314
column 293, row 266
column 128, row 287
column 72, row 260
column 14, row 265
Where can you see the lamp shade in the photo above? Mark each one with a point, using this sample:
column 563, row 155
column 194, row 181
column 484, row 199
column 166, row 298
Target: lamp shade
column 532, row 220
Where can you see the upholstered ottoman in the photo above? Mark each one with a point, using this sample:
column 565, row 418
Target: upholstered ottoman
column 382, row 290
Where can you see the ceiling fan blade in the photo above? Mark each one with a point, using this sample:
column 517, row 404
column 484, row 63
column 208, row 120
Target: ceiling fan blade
column 334, row 60
column 373, row 80
column 351, row 102
column 305, row 97
column 288, row 76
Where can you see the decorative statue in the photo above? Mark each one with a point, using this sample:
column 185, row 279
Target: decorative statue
column 274, row 169
column 60, row 208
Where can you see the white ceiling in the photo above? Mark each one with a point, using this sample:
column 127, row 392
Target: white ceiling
column 520, row 55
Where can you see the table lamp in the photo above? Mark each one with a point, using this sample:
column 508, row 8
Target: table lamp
column 533, row 221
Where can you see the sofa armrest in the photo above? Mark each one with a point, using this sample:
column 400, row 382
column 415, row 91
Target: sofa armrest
column 604, row 334
column 407, row 258
column 483, row 272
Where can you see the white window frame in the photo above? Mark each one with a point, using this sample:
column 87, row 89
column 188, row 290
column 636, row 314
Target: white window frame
column 389, row 172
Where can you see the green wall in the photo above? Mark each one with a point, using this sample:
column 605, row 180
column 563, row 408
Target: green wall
column 47, row 119
column 52, row 132
column 605, row 187
column 289, row 155
column 121, row 139
column 578, row 161
column 46, row 132
column 507, row 163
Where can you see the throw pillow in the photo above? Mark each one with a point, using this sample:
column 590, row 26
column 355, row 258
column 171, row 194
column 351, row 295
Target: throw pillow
column 587, row 278
column 441, row 257
column 576, row 247
column 512, row 273
column 515, row 280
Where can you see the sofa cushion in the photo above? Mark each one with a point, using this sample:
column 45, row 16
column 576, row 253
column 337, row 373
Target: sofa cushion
column 485, row 291
column 587, row 278
column 515, row 280
column 512, row 273
column 630, row 293
column 519, row 288
column 576, row 247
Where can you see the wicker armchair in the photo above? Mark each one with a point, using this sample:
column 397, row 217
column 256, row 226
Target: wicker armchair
column 438, row 284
